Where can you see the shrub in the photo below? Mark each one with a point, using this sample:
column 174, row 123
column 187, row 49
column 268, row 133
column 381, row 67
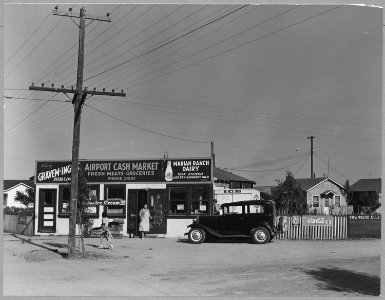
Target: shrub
column 16, row 210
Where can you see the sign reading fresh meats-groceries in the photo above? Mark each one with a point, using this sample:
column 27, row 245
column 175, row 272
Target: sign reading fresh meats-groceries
column 126, row 171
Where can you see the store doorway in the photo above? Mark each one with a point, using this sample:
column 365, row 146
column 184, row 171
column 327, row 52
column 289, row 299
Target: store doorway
column 47, row 210
column 155, row 199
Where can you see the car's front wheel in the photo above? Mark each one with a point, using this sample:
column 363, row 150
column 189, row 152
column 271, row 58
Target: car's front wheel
column 260, row 235
column 196, row 235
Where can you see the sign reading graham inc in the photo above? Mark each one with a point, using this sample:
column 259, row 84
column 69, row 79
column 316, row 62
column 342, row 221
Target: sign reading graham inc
column 97, row 171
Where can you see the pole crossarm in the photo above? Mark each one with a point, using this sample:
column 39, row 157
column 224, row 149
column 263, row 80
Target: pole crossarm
column 85, row 91
column 76, row 15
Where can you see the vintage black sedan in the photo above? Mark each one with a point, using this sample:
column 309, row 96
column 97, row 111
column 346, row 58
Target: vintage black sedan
column 254, row 218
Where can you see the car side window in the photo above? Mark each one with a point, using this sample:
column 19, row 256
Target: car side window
column 256, row 209
column 235, row 209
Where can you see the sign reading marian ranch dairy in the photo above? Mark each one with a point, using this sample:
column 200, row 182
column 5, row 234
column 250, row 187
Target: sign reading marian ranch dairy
column 127, row 171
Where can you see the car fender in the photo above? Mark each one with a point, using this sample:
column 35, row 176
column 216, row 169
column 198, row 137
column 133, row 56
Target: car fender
column 271, row 230
column 204, row 227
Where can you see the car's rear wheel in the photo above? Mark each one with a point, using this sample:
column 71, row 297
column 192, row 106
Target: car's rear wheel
column 196, row 235
column 260, row 235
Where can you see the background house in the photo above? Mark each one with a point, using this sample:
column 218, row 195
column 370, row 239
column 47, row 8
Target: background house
column 324, row 195
column 371, row 187
column 11, row 187
column 229, row 187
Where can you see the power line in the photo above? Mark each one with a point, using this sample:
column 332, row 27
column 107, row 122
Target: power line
column 27, row 40
column 262, row 171
column 170, row 54
column 215, row 44
column 34, row 48
column 165, row 49
column 29, row 114
column 167, row 43
column 141, row 128
column 88, row 43
column 36, row 99
column 236, row 47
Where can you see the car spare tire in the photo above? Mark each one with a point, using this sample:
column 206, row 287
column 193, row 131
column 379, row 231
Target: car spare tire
column 260, row 235
column 196, row 235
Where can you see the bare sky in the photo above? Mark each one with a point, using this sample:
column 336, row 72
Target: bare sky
column 256, row 80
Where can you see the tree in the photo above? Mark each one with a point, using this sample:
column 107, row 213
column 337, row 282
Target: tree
column 346, row 192
column 27, row 198
column 288, row 196
column 84, row 200
column 365, row 202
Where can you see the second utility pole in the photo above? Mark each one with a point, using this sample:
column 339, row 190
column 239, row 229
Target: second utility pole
column 311, row 153
column 78, row 101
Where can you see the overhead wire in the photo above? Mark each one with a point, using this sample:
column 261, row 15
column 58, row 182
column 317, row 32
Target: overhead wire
column 165, row 44
column 164, row 49
column 233, row 48
column 171, row 53
column 145, row 129
column 27, row 40
column 213, row 45
column 34, row 48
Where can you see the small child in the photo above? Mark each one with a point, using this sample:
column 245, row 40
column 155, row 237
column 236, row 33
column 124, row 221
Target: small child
column 106, row 233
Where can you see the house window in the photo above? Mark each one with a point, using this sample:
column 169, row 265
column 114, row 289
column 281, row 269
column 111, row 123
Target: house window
column 327, row 202
column 235, row 185
column 5, row 199
column 247, row 185
column 189, row 200
column 337, row 200
column 315, row 201
column 116, row 195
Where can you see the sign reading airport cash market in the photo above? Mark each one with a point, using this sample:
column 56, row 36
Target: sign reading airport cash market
column 126, row 171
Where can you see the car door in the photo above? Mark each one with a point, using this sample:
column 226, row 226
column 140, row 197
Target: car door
column 232, row 223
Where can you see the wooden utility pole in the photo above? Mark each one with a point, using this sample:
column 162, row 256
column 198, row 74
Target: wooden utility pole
column 311, row 153
column 79, row 97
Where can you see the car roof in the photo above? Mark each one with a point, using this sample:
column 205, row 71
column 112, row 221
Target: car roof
column 255, row 202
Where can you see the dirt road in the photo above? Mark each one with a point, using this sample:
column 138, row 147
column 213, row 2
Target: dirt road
column 172, row 267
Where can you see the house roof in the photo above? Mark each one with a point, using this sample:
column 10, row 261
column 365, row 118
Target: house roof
column 222, row 175
column 10, row 183
column 367, row 185
column 308, row 183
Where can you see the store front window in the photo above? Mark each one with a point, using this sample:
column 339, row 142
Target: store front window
column 189, row 200
column 199, row 200
column 178, row 200
column 116, row 195
column 65, row 198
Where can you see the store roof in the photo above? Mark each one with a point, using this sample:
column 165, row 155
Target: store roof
column 222, row 175
column 367, row 185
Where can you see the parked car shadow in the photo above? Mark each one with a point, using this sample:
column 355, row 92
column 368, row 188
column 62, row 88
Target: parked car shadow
column 347, row 280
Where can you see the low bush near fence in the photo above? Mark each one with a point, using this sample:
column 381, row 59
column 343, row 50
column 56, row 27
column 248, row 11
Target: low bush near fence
column 17, row 210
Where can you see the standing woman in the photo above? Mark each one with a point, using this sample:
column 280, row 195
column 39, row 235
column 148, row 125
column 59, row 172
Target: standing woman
column 144, row 225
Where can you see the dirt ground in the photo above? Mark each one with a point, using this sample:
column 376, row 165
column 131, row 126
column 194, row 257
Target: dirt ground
column 37, row 266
